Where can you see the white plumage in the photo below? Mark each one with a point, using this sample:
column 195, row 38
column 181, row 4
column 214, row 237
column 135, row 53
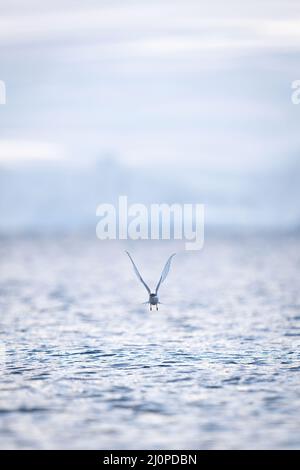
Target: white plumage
column 153, row 296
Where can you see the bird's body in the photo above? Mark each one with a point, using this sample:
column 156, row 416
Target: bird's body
column 153, row 300
column 153, row 296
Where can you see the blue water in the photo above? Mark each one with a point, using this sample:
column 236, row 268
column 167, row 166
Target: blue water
column 85, row 365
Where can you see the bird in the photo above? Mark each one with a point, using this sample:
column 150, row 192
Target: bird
column 153, row 296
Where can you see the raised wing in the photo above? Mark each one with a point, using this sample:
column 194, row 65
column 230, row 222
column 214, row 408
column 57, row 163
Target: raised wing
column 138, row 274
column 164, row 273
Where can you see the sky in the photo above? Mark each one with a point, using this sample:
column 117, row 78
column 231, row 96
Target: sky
column 191, row 96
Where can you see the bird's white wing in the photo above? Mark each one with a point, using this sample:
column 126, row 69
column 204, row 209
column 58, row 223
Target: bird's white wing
column 164, row 273
column 137, row 273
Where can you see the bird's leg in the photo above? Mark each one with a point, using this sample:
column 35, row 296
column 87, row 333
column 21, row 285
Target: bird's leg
column 156, row 307
column 150, row 308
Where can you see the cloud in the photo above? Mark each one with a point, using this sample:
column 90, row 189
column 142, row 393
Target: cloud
column 20, row 151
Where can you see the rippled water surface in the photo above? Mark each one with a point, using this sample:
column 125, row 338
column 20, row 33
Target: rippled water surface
column 85, row 365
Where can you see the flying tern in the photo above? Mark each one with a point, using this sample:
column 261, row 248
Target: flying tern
column 153, row 296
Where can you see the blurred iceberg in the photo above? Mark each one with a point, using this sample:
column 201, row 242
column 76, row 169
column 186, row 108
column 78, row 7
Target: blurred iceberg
column 52, row 197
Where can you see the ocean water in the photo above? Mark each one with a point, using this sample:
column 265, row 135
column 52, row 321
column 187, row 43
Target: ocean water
column 85, row 365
